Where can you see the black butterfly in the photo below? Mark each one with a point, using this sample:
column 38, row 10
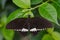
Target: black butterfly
column 29, row 24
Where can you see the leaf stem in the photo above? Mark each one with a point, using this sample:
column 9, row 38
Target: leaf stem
column 38, row 6
column 34, row 7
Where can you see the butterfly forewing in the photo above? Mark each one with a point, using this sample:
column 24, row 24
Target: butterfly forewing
column 17, row 23
column 40, row 23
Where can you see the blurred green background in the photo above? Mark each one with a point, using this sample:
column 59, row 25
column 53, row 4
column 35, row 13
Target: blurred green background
column 7, row 7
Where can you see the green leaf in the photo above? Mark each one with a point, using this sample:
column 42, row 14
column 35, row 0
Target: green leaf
column 28, row 13
column 56, row 4
column 3, row 20
column 34, row 2
column 56, row 35
column 47, row 37
column 1, row 36
column 0, row 25
column 3, row 3
column 38, row 36
column 57, row 1
column 48, row 12
column 8, row 34
column 22, row 3
column 14, row 15
column 50, row 30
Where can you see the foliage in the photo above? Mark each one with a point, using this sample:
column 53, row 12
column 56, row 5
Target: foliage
column 12, row 9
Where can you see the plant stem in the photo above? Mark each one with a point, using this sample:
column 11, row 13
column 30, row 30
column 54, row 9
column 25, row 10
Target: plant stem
column 34, row 7
column 38, row 6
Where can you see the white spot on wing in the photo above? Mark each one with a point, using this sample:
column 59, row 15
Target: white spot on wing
column 34, row 29
column 24, row 30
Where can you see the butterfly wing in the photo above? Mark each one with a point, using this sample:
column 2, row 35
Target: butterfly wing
column 16, row 24
column 24, row 30
column 40, row 23
column 33, row 30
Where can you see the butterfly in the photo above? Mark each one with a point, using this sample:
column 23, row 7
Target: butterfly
column 34, row 24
